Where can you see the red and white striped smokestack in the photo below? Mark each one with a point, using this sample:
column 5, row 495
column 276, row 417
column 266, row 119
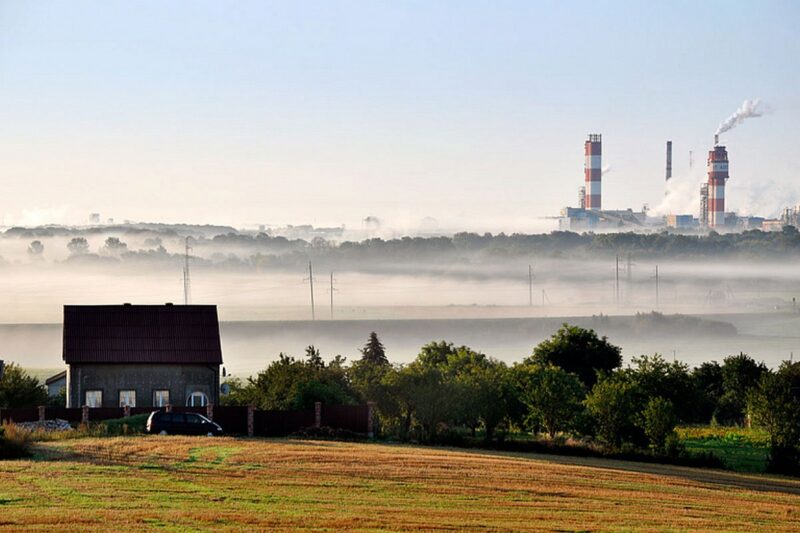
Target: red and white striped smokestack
column 717, row 176
column 593, row 171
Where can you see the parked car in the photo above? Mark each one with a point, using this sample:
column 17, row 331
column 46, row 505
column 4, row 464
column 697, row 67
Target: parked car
column 162, row 423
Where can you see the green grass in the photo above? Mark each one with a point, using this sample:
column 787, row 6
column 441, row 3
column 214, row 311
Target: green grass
column 742, row 449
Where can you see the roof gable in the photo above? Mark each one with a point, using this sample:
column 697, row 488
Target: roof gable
column 182, row 334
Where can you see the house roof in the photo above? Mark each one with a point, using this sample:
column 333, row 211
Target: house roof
column 56, row 377
column 177, row 334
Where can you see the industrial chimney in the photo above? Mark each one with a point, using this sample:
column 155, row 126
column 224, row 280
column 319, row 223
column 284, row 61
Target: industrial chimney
column 717, row 176
column 669, row 160
column 593, row 171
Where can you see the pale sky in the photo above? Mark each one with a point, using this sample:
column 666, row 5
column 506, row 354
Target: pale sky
column 473, row 113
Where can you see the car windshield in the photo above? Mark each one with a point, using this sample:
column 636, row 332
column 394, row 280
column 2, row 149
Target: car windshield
column 194, row 419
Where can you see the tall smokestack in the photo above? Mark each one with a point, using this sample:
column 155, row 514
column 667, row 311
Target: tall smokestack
column 717, row 176
column 593, row 171
column 669, row 160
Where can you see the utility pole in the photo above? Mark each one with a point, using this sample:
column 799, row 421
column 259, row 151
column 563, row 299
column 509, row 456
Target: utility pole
column 629, row 270
column 656, row 286
column 311, row 285
column 530, row 285
column 332, row 290
column 187, row 282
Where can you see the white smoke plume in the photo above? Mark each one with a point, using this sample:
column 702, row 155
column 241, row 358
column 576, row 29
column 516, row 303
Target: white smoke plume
column 749, row 109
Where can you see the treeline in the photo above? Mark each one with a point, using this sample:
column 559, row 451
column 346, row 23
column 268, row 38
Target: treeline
column 247, row 251
column 572, row 387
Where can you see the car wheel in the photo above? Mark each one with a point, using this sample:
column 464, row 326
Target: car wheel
column 162, row 432
column 209, row 434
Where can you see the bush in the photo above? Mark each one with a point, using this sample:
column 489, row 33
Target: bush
column 326, row 432
column 658, row 422
column 14, row 442
column 126, row 426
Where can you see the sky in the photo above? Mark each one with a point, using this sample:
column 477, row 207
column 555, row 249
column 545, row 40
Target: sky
column 472, row 113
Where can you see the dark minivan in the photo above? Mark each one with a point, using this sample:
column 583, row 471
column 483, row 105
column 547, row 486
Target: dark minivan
column 162, row 423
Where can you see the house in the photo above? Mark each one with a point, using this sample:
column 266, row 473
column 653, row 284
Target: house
column 141, row 355
column 55, row 383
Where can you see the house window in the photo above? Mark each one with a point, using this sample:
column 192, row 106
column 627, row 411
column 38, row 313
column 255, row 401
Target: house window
column 160, row 398
column 197, row 399
column 94, row 398
column 127, row 398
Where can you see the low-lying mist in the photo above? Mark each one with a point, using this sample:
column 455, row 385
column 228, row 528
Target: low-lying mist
column 470, row 289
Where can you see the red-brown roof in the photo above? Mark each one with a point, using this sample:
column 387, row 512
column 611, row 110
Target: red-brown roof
column 181, row 334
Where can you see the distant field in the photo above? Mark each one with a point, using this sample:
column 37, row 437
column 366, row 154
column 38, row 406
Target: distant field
column 185, row 484
column 743, row 450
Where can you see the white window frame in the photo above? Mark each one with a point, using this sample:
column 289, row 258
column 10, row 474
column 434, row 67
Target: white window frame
column 201, row 396
column 92, row 392
column 131, row 395
column 156, row 393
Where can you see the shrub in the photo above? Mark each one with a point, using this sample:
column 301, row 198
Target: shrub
column 15, row 442
column 658, row 421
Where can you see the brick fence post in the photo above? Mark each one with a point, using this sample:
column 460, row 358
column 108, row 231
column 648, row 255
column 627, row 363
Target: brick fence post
column 41, row 413
column 317, row 415
column 210, row 411
column 250, row 420
column 85, row 414
column 371, row 420
column 168, row 408
column 126, row 411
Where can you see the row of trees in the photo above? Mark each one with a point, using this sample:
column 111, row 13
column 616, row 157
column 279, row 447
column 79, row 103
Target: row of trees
column 573, row 384
column 262, row 248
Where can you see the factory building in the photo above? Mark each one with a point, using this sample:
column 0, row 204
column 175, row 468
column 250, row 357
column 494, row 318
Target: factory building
column 589, row 216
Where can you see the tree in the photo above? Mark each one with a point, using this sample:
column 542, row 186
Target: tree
column 552, row 395
column 36, row 250
column 658, row 421
column 740, row 374
column 18, row 389
column 288, row 384
column 78, row 246
column 314, row 357
column 612, row 403
column 578, row 351
column 708, row 382
column 655, row 377
column 115, row 247
column 775, row 405
column 374, row 352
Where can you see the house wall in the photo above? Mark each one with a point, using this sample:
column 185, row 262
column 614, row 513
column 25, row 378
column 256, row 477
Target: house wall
column 180, row 380
column 54, row 387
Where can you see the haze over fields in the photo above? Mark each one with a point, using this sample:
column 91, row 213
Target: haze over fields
column 468, row 289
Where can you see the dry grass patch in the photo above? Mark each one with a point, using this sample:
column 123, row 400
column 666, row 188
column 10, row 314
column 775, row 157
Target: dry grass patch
column 183, row 483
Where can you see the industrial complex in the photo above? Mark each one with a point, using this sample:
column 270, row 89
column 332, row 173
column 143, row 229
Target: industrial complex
column 589, row 215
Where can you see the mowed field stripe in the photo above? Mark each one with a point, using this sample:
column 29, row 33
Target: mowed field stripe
column 183, row 483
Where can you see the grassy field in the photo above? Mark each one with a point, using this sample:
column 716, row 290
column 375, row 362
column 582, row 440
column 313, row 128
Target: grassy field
column 187, row 484
column 743, row 450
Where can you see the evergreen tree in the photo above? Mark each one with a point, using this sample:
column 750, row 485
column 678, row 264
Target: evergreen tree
column 374, row 352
